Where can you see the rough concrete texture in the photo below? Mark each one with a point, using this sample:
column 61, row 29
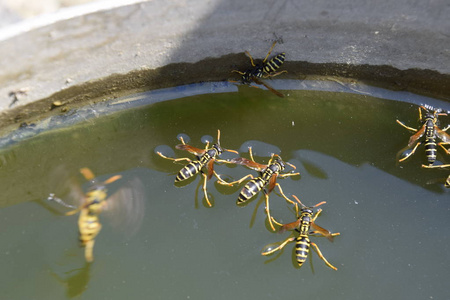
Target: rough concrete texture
column 342, row 34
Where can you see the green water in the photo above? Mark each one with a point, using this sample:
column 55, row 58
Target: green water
column 393, row 222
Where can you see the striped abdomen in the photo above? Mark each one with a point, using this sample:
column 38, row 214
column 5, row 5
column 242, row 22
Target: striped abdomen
column 251, row 189
column 430, row 141
column 302, row 244
column 273, row 64
column 189, row 170
column 89, row 227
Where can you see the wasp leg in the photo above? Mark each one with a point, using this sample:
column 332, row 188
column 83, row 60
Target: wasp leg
column 205, row 179
column 407, row 127
column 174, row 159
column 274, row 74
column 288, row 174
column 270, row 218
column 270, row 51
column 284, row 196
column 322, row 257
column 281, row 246
column 239, row 72
column 409, row 154
column 237, row 181
column 251, row 58
column 438, row 166
column 220, row 180
column 251, row 153
column 442, row 145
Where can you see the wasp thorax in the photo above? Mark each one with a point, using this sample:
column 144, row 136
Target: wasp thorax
column 218, row 149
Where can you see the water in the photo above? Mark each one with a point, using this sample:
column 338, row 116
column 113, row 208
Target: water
column 392, row 217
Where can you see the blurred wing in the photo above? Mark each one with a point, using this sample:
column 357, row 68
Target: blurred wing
column 193, row 150
column 125, row 209
column 65, row 187
column 248, row 163
column 322, row 231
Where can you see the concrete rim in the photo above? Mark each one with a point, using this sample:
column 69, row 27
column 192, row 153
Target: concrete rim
column 153, row 44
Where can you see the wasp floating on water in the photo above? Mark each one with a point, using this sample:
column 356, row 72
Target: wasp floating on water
column 431, row 131
column 125, row 207
column 268, row 177
column 205, row 159
column 265, row 69
column 304, row 223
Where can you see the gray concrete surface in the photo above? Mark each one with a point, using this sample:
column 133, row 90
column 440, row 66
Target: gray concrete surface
column 407, row 41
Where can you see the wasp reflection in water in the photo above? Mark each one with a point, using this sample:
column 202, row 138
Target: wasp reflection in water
column 124, row 208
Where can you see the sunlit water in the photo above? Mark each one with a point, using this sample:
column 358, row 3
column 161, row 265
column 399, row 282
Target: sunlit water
column 393, row 218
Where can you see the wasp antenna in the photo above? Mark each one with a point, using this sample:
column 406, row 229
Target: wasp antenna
column 87, row 173
column 218, row 136
column 112, row 179
column 233, row 151
column 298, row 200
column 289, row 164
column 320, row 203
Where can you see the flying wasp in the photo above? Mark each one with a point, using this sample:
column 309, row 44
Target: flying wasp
column 205, row 158
column 126, row 205
column 268, row 177
column 265, row 69
column 447, row 181
column 304, row 222
column 431, row 131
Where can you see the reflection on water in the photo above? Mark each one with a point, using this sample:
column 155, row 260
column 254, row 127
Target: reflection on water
column 344, row 147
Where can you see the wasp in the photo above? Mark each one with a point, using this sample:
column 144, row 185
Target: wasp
column 304, row 222
column 265, row 69
column 205, row 159
column 126, row 202
column 268, row 177
column 431, row 131
column 447, row 181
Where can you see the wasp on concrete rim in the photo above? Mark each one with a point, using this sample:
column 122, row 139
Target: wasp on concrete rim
column 304, row 222
column 431, row 131
column 265, row 69
column 205, row 158
column 268, row 177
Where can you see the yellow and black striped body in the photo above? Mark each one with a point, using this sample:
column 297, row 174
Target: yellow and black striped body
column 430, row 139
column 88, row 222
column 302, row 242
column 256, row 185
column 265, row 68
column 274, row 64
column 196, row 166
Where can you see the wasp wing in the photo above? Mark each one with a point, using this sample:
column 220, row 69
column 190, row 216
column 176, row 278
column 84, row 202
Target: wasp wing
column 210, row 166
column 65, row 191
column 322, row 231
column 125, row 208
column 257, row 81
column 248, row 163
column 444, row 136
column 290, row 226
column 193, row 150
column 413, row 139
